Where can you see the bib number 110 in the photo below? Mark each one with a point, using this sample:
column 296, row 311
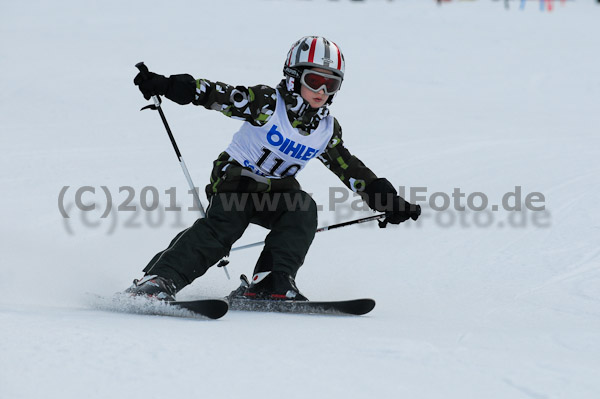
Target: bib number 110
column 277, row 164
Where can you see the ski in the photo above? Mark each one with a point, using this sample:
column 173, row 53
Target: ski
column 206, row 308
column 354, row 307
column 211, row 308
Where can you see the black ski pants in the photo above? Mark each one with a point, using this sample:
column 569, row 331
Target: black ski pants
column 291, row 218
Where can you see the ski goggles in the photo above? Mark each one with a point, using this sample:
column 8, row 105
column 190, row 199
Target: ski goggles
column 315, row 81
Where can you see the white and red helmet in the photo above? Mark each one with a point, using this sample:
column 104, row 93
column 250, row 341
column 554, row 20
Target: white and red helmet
column 314, row 52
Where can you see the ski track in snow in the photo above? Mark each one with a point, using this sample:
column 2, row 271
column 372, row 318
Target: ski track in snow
column 464, row 95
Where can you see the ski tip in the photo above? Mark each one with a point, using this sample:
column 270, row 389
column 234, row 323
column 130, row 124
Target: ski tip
column 361, row 306
column 218, row 310
column 210, row 308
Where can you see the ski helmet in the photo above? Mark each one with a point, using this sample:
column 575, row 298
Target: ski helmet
column 312, row 52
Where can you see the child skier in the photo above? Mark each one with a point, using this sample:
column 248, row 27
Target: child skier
column 284, row 128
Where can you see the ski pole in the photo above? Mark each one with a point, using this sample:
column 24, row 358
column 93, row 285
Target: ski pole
column 225, row 262
column 156, row 106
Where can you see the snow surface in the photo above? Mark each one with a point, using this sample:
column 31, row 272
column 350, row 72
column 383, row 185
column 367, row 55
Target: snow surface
column 465, row 95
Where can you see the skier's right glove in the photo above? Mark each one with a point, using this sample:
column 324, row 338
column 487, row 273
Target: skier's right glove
column 178, row 88
column 151, row 84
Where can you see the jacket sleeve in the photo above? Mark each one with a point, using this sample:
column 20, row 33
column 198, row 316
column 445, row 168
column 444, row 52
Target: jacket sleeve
column 350, row 170
column 253, row 104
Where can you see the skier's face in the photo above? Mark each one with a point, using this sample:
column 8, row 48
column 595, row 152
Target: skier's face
column 315, row 99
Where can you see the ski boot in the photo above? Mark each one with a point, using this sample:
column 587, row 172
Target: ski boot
column 273, row 285
column 153, row 286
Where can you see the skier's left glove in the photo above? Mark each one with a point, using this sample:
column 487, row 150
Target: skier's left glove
column 382, row 196
column 402, row 211
column 151, row 84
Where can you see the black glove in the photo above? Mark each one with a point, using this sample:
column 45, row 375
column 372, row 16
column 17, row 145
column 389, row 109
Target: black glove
column 178, row 88
column 401, row 212
column 151, row 84
column 382, row 196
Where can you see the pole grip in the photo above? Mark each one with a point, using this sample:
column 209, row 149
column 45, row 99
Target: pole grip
column 146, row 74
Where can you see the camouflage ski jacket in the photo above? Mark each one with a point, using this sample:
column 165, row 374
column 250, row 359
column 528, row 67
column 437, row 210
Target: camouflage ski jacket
column 255, row 105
